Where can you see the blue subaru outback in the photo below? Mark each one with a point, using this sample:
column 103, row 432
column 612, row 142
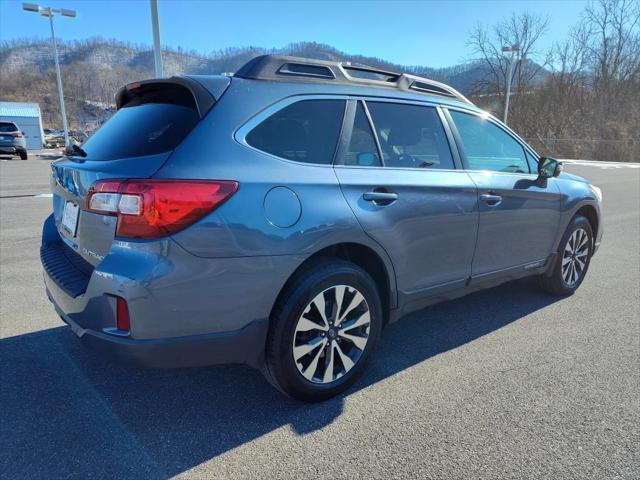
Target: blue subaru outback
column 280, row 217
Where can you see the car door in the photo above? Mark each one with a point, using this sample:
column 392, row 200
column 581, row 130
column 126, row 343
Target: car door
column 399, row 175
column 519, row 215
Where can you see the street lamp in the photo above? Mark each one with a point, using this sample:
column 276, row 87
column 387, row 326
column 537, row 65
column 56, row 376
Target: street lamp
column 513, row 50
column 157, row 51
column 50, row 12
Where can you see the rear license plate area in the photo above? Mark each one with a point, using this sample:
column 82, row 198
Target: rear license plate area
column 70, row 215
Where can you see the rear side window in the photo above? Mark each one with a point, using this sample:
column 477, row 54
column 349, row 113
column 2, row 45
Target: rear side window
column 152, row 122
column 6, row 127
column 411, row 136
column 306, row 131
column 487, row 146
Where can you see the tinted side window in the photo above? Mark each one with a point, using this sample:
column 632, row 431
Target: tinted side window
column 487, row 146
column 362, row 148
column 306, row 131
column 410, row 136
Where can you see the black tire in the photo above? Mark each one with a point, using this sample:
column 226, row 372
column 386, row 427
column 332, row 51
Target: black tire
column 23, row 155
column 280, row 368
column 553, row 280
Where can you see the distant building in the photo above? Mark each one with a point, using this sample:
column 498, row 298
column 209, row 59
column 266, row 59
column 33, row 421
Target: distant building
column 27, row 117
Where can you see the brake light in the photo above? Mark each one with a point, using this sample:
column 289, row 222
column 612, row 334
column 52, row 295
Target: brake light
column 122, row 315
column 156, row 208
column 17, row 134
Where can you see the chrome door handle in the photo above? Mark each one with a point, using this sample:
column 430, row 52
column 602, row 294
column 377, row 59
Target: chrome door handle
column 491, row 199
column 380, row 198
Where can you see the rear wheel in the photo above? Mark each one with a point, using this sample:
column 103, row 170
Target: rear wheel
column 23, row 155
column 323, row 331
column 572, row 261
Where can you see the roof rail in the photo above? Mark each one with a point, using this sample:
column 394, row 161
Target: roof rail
column 283, row 68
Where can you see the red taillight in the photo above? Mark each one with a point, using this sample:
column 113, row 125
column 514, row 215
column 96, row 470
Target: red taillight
column 122, row 315
column 156, row 208
column 17, row 134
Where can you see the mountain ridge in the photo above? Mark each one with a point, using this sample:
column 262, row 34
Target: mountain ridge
column 27, row 54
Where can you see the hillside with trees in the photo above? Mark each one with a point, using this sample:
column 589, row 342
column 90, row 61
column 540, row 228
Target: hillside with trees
column 580, row 99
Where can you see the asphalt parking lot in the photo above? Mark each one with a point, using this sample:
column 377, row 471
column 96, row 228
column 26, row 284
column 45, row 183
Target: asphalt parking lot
column 506, row 383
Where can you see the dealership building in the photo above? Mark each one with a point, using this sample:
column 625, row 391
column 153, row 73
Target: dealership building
column 28, row 119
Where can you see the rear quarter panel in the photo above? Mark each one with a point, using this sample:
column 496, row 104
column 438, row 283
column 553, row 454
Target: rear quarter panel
column 241, row 227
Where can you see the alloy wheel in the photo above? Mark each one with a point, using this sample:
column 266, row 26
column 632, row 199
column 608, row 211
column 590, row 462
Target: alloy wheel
column 574, row 258
column 331, row 334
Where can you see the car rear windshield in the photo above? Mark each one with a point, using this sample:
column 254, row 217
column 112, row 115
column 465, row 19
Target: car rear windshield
column 7, row 127
column 152, row 121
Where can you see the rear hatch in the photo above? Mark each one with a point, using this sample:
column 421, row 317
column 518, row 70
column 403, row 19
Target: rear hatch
column 8, row 133
column 152, row 119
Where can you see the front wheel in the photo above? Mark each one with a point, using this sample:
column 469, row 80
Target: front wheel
column 323, row 330
column 572, row 261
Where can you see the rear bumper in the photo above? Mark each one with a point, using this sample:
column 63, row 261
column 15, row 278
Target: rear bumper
column 7, row 149
column 241, row 346
column 184, row 310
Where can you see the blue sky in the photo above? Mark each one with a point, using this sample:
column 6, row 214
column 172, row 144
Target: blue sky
column 432, row 33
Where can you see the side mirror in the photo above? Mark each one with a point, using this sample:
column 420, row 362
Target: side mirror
column 549, row 167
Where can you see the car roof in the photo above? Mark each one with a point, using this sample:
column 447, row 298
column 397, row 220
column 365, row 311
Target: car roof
column 300, row 88
column 300, row 76
column 299, row 70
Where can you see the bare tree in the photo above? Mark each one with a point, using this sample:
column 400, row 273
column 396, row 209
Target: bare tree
column 522, row 30
column 613, row 41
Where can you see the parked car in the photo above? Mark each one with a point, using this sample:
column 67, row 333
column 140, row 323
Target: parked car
column 78, row 135
column 53, row 138
column 12, row 141
column 282, row 216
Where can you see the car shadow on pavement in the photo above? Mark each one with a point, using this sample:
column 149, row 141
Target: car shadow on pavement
column 66, row 412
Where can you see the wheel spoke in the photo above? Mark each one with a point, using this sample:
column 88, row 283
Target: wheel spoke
column 578, row 239
column 584, row 241
column 300, row 351
column 339, row 298
column 355, row 301
column 328, row 361
column 362, row 320
column 567, row 248
column 347, row 363
column 572, row 242
column 310, row 371
column 306, row 325
column 566, row 260
column 580, row 262
column 322, row 308
column 566, row 267
column 359, row 342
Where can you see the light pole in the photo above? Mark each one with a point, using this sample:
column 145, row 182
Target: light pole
column 513, row 49
column 157, row 52
column 50, row 12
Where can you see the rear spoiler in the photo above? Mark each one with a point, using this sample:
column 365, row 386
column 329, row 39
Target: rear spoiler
column 203, row 97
